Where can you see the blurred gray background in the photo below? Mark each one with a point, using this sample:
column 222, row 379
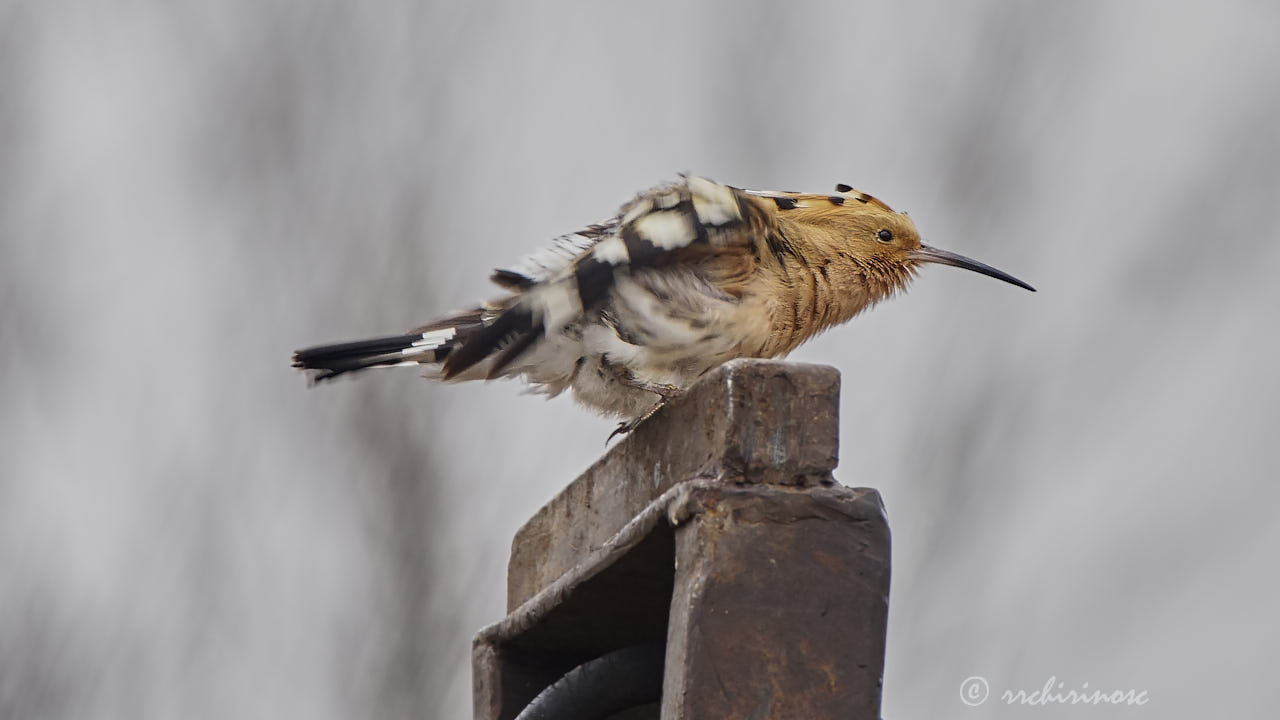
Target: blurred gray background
column 1081, row 482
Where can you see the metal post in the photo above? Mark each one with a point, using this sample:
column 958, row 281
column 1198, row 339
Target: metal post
column 717, row 529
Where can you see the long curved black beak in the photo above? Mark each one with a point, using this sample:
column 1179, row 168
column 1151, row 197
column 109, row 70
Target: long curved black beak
column 927, row 254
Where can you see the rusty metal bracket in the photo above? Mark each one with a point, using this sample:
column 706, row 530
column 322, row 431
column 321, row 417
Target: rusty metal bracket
column 715, row 527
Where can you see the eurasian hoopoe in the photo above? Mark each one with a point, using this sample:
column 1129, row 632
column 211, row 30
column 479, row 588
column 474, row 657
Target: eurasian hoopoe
column 629, row 312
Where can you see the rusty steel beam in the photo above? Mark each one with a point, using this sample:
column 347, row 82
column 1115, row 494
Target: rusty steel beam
column 717, row 529
column 780, row 604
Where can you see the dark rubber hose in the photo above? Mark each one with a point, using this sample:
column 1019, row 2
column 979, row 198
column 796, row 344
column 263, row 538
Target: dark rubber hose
column 594, row 690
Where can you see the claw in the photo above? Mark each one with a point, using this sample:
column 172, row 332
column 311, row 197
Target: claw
column 622, row 429
column 626, row 427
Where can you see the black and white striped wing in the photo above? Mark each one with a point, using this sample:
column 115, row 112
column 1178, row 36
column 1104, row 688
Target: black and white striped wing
column 549, row 263
column 658, row 227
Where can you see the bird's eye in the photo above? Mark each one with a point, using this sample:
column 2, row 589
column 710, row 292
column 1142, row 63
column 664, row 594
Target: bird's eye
column 885, row 236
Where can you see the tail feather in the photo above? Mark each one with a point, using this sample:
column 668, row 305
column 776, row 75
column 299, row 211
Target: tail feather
column 330, row 361
column 426, row 345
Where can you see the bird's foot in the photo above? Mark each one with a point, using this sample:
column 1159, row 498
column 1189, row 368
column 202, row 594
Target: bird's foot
column 627, row 426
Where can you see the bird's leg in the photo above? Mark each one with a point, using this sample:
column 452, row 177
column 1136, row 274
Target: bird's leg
column 626, row 377
column 664, row 392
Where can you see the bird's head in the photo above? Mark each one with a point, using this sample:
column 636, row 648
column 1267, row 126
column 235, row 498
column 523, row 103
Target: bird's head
column 880, row 237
